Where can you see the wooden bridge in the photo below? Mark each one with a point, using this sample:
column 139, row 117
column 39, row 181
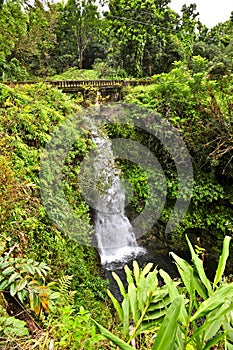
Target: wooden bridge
column 80, row 85
column 102, row 88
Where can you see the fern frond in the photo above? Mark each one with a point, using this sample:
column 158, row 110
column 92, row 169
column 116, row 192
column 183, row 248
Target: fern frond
column 66, row 294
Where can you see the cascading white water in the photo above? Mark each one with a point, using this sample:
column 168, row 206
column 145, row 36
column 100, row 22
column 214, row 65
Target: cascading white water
column 114, row 233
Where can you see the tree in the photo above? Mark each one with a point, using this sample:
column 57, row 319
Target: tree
column 188, row 28
column 76, row 31
column 13, row 25
column 139, row 32
column 216, row 45
column 34, row 48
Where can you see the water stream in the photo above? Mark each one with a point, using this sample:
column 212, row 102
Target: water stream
column 114, row 234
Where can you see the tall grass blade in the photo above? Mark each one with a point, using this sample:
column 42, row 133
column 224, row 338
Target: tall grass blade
column 128, row 273
column 126, row 314
column 132, row 291
column 120, row 284
column 198, row 263
column 116, row 305
column 222, row 261
column 147, row 269
column 119, row 342
column 191, row 281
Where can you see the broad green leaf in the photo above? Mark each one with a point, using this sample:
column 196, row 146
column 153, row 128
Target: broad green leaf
column 8, row 270
column 128, row 273
column 213, row 328
column 148, row 327
column 45, row 267
column 33, row 300
column 132, row 292
column 190, row 280
column 180, row 339
column 198, row 263
column 120, row 284
column 147, row 269
column 173, row 293
column 185, row 271
column 165, row 338
column 54, row 295
column 14, row 277
column 119, row 342
column 30, row 269
column 22, row 284
column 152, row 281
column 142, row 293
column 213, row 322
column 13, row 288
column 9, row 321
column 22, row 294
column 155, row 315
column 159, row 295
column 38, row 271
column 199, row 287
column 161, row 304
column 2, row 278
column 222, row 261
column 227, row 325
column 4, row 264
column 172, row 288
column 229, row 345
column 116, row 305
column 4, row 284
column 125, row 308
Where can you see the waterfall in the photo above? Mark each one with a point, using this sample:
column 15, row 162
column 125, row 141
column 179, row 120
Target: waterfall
column 114, row 234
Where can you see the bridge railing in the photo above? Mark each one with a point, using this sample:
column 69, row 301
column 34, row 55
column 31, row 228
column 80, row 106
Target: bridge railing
column 78, row 83
column 69, row 84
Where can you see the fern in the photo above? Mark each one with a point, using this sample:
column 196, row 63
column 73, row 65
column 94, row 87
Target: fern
column 66, row 294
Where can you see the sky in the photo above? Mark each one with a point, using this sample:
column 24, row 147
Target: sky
column 211, row 11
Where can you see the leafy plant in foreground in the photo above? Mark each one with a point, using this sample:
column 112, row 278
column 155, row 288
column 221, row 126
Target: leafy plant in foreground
column 194, row 316
column 25, row 279
column 12, row 331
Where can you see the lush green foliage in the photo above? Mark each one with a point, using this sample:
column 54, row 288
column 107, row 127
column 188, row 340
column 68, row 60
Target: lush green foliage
column 197, row 315
column 29, row 240
column 200, row 108
column 51, row 277
column 24, row 278
column 137, row 39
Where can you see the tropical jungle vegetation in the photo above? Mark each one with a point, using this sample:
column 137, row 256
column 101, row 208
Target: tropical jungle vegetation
column 53, row 294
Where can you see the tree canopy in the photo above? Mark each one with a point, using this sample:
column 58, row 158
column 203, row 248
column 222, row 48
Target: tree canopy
column 135, row 38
